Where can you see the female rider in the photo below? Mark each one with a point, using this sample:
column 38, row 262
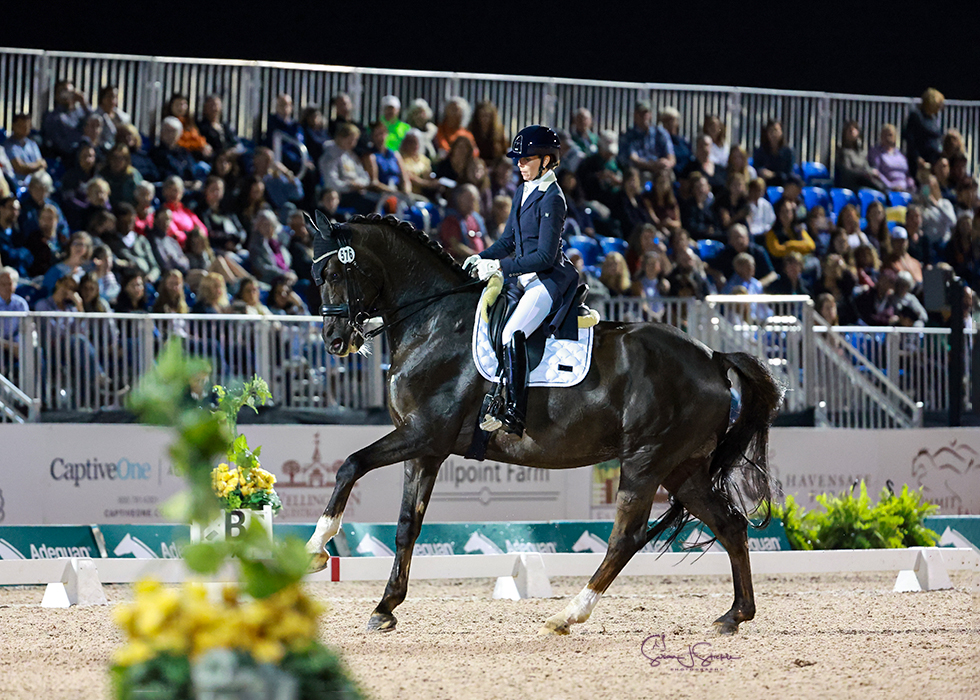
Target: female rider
column 529, row 256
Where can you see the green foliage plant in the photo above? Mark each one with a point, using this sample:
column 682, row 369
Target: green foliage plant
column 849, row 520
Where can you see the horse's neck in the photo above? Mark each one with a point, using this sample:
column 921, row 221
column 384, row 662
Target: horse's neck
column 446, row 320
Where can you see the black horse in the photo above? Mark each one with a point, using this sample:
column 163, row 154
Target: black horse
column 654, row 398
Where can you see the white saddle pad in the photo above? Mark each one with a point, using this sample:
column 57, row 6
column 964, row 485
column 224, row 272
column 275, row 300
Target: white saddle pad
column 564, row 363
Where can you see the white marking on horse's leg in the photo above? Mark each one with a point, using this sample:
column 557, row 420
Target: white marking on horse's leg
column 578, row 610
column 326, row 530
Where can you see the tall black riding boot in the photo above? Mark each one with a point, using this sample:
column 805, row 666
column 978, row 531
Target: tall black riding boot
column 516, row 377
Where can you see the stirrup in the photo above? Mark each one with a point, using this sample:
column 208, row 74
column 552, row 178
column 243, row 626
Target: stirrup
column 491, row 423
column 494, row 407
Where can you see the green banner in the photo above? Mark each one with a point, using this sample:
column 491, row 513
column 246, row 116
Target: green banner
column 144, row 541
column 46, row 541
column 545, row 537
column 956, row 530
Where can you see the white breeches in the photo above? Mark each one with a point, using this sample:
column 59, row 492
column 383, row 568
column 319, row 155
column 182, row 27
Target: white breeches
column 531, row 310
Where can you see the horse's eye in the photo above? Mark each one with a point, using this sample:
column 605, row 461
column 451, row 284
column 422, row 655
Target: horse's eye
column 334, row 277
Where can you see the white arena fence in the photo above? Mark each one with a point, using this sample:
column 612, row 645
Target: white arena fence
column 812, row 121
column 78, row 581
column 858, row 377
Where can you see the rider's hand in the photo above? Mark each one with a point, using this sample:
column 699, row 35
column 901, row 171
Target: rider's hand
column 485, row 269
column 470, row 261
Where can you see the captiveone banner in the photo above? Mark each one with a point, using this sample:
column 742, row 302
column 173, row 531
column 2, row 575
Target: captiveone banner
column 120, row 474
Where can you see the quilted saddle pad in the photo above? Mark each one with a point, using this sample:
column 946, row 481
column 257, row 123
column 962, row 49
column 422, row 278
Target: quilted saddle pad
column 564, row 363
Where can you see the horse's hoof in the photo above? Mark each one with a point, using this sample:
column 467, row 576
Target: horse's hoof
column 555, row 627
column 380, row 622
column 318, row 562
column 725, row 627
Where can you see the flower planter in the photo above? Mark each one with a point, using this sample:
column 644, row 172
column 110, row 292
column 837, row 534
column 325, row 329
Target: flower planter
column 232, row 524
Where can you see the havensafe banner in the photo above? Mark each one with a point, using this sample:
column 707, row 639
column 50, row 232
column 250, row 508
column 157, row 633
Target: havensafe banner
column 120, row 474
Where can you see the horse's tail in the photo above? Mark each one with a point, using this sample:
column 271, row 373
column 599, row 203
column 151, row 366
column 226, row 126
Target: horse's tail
column 739, row 469
column 740, row 466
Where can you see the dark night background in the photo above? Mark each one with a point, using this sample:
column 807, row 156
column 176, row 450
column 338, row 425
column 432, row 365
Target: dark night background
column 869, row 48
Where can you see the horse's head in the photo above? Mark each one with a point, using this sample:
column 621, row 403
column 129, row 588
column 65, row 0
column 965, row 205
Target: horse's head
column 349, row 286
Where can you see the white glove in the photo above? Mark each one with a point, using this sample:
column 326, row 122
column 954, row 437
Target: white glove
column 485, row 269
column 470, row 261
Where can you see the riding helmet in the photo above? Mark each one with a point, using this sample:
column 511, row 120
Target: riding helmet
column 535, row 140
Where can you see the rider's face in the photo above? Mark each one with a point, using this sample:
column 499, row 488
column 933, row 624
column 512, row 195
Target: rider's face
column 530, row 167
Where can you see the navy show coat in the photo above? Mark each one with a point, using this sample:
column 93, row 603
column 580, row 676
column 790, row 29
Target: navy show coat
column 531, row 242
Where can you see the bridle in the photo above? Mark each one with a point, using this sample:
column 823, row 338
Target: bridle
column 335, row 239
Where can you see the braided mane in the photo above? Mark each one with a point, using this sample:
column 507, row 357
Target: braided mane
column 407, row 229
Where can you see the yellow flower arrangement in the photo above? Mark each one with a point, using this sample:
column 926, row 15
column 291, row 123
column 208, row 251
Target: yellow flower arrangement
column 185, row 622
column 238, row 488
column 181, row 642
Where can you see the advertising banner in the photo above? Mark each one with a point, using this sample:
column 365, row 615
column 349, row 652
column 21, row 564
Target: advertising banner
column 545, row 537
column 54, row 542
column 121, row 474
column 944, row 462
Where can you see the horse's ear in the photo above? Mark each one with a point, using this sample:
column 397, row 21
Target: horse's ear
column 312, row 226
column 323, row 224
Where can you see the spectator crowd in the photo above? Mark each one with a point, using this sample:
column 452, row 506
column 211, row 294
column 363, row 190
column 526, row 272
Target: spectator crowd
column 96, row 217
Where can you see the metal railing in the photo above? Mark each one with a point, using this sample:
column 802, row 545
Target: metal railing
column 812, row 121
column 833, row 370
column 914, row 360
column 87, row 362
column 850, row 392
column 854, row 376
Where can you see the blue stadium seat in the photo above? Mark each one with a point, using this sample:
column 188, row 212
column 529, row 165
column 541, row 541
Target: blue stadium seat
column 591, row 251
column 816, row 196
column 797, row 170
column 708, row 248
column 899, row 199
column 610, row 244
column 891, row 225
column 841, row 196
column 867, row 196
column 774, row 193
column 813, row 171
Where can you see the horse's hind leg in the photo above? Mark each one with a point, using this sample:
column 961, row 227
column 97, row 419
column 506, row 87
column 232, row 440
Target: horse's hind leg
column 633, row 503
column 731, row 529
column 420, row 477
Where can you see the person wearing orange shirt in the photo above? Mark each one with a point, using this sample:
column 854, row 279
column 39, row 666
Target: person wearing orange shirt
column 191, row 138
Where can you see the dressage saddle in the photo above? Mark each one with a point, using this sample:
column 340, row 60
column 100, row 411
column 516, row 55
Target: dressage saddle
column 504, row 306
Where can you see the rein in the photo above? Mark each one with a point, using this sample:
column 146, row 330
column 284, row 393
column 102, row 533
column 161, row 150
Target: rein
column 354, row 313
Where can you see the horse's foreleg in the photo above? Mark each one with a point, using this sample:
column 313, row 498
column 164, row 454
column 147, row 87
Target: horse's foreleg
column 397, row 446
column 420, row 477
column 731, row 529
column 628, row 537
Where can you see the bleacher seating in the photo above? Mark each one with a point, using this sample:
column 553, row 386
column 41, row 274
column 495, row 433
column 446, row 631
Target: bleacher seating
column 867, row 196
column 899, row 199
column 588, row 247
column 708, row 248
column 610, row 244
column 816, row 196
column 774, row 193
column 815, row 174
column 841, row 197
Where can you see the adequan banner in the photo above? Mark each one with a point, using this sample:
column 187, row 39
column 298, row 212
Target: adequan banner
column 544, row 537
column 54, row 542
